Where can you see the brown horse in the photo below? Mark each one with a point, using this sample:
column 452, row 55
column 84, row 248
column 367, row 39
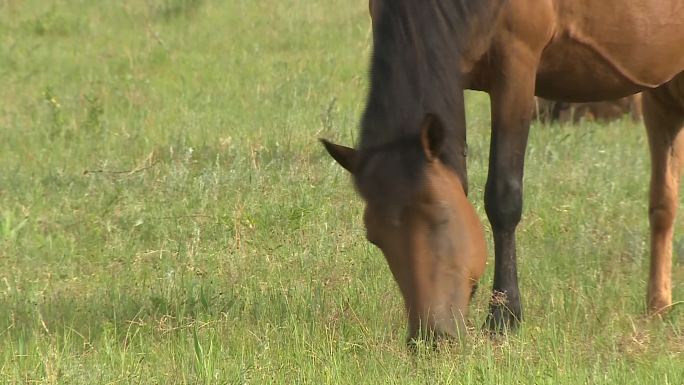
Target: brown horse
column 427, row 52
column 604, row 111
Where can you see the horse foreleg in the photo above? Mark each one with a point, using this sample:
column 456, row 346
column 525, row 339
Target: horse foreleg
column 512, row 101
column 663, row 111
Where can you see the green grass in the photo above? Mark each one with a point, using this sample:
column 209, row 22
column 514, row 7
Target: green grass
column 167, row 217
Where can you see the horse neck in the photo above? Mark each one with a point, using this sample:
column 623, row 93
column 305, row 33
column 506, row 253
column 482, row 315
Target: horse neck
column 413, row 72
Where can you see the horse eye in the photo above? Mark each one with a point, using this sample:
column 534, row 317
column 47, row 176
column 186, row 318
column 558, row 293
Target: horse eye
column 442, row 220
column 436, row 213
column 439, row 217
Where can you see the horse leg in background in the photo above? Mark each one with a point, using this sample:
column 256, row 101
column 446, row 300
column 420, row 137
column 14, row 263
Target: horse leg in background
column 373, row 8
column 663, row 110
column 635, row 109
column 512, row 103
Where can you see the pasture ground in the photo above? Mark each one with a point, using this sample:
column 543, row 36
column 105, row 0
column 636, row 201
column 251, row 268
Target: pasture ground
column 167, row 216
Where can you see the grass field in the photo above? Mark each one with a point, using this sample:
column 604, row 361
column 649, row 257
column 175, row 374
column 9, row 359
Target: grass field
column 167, row 217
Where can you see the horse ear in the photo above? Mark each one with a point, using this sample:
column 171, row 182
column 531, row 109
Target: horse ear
column 431, row 136
column 345, row 156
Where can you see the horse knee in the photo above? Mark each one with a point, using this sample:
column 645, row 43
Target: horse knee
column 662, row 216
column 503, row 203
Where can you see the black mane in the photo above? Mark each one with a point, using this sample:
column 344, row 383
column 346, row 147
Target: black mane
column 414, row 71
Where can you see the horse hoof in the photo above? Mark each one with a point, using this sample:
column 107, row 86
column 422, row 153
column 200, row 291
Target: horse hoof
column 502, row 319
column 658, row 306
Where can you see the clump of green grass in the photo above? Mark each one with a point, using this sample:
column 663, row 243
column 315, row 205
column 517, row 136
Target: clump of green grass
column 170, row 9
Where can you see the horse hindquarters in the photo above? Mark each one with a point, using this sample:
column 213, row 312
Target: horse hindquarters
column 663, row 110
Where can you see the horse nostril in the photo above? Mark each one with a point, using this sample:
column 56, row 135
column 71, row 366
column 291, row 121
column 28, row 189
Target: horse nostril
column 428, row 340
column 473, row 289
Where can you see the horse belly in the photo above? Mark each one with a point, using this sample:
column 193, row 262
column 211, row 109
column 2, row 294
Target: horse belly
column 570, row 72
column 611, row 48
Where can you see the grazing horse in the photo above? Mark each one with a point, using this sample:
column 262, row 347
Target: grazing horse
column 564, row 112
column 425, row 53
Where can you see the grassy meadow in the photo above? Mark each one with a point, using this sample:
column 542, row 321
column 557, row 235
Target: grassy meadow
column 167, row 216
